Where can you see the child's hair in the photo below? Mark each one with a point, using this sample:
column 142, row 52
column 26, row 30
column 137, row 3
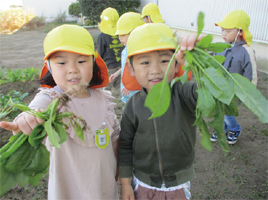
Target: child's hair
column 109, row 18
column 74, row 39
column 152, row 10
column 96, row 78
column 128, row 22
column 237, row 19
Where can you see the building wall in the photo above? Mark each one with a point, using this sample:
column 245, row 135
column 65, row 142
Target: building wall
column 49, row 8
column 184, row 14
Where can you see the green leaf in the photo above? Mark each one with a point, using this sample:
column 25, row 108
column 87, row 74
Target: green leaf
column 218, row 47
column 205, row 102
column 171, row 84
column 61, row 132
column 52, row 134
column 232, row 109
column 217, row 85
column 189, row 57
column 158, row 99
column 200, row 23
column 205, row 140
column 37, row 135
column 21, row 178
column 205, row 41
column 78, row 129
column 34, row 180
column 219, row 58
column 249, row 95
column 218, row 125
column 7, row 180
column 184, row 77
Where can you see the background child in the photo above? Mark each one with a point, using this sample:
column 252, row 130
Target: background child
column 78, row 170
column 158, row 153
column 151, row 14
column 126, row 23
column 109, row 46
column 240, row 58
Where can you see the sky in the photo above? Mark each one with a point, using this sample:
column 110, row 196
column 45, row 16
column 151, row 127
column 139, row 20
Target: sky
column 4, row 5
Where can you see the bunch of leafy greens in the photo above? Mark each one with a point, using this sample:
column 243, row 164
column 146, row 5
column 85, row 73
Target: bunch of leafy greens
column 24, row 158
column 218, row 90
column 18, row 75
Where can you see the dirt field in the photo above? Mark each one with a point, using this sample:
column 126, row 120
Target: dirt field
column 240, row 174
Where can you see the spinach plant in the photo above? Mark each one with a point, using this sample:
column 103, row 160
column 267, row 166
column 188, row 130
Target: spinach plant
column 18, row 75
column 24, row 158
column 15, row 97
column 218, row 90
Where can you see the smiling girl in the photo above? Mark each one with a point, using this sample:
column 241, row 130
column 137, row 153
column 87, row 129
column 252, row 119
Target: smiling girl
column 79, row 169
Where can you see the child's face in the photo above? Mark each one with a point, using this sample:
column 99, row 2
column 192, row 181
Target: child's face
column 150, row 68
column 71, row 69
column 229, row 35
column 123, row 39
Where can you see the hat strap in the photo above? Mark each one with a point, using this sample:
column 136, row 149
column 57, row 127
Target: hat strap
column 236, row 36
column 48, row 65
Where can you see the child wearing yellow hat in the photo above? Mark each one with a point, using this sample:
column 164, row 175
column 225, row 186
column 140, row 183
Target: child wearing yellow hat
column 108, row 44
column 240, row 58
column 125, row 25
column 79, row 169
column 158, row 153
column 151, row 14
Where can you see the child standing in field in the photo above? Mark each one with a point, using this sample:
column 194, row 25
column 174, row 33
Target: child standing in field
column 126, row 23
column 151, row 14
column 108, row 44
column 158, row 154
column 240, row 58
column 79, row 169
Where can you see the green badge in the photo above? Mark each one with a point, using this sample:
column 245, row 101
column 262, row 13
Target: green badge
column 102, row 138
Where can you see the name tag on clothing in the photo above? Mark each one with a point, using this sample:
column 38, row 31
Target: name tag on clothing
column 102, row 138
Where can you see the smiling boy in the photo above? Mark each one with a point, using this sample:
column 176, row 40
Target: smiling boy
column 158, row 153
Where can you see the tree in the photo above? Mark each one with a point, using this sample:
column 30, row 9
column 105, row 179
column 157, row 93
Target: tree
column 74, row 9
column 93, row 8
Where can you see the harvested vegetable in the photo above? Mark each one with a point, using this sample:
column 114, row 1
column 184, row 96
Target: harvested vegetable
column 218, row 90
column 24, row 158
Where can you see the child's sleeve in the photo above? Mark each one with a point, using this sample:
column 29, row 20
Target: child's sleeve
column 188, row 95
column 125, row 152
column 101, row 45
column 116, row 127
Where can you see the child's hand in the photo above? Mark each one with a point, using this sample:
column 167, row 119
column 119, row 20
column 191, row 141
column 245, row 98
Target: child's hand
column 112, row 77
column 127, row 192
column 125, row 92
column 187, row 43
column 25, row 123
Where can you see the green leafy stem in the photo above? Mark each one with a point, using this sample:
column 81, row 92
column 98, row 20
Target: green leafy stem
column 218, row 90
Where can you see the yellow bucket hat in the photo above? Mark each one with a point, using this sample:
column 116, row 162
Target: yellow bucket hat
column 74, row 39
column 146, row 38
column 109, row 18
column 152, row 10
column 128, row 22
column 150, row 37
column 237, row 19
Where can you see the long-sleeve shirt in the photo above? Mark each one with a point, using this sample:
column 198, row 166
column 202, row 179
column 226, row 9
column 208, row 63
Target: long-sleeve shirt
column 241, row 59
column 109, row 49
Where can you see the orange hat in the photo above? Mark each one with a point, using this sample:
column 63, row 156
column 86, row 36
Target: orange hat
column 74, row 39
column 146, row 38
